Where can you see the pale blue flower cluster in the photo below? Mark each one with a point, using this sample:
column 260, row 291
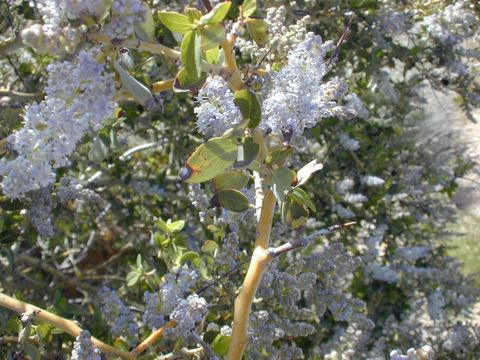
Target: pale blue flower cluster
column 216, row 112
column 83, row 348
column 125, row 15
column 53, row 128
column 188, row 313
column 160, row 304
column 118, row 316
column 298, row 98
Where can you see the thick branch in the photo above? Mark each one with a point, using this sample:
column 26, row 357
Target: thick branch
column 69, row 326
column 260, row 259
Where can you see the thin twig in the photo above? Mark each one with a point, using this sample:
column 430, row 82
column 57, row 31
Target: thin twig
column 154, row 337
column 289, row 246
column 334, row 56
column 208, row 350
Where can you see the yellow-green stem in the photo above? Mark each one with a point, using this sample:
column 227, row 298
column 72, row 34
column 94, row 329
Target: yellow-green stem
column 231, row 65
column 69, row 326
column 163, row 85
column 260, row 259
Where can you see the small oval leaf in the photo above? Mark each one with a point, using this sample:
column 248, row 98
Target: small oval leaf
column 307, row 171
column 191, row 53
column 282, row 179
column 140, row 92
column 247, row 153
column 98, row 150
column 249, row 106
column 249, row 7
column 217, row 14
column 175, row 22
column 230, row 180
column 230, row 199
column 258, row 30
column 188, row 256
column 212, row 36
column 210, row 159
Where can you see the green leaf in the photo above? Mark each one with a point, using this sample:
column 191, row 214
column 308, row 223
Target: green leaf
column 302, row 197
column 146, row 30
column 98, row 150
column 216, row 15
column 209, row 246
column 279, row 155
column 32, row 350
column 209, row 160
column 230, row 199
column 249, row 7
column 162, row 225
column 176, row 226
column 221, row 344
column 160, row 266
column 212, row 55
column 230, row 180
column 212, row 36
column 121, row 344
column 247, row 153
column 249, row 106
column 139, row 261
column 191, row 53
column 140, row 92
column 307, row 171
column 258, row 30
column 187, row 256
column 282, row 179
column 44, row 331
column 132, row 277
column 175, row 22
column 294, row 213
column 185, row 82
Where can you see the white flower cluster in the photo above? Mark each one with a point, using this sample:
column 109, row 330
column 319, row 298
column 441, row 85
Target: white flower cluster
column 83, row 348
column 119, row 317
column 424, row 353
column 216, row 112
column 298, row 99
column 454, row 23
column 54, row 34
column 53, row 127
column 125, row 15
column 281, row 39
column 77, row 8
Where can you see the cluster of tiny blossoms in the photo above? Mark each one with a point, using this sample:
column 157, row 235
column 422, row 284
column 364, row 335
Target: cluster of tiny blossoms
column 118, row 316
column 125, row 15
column 216, row 112
column 56, row 35
column 281, row 39
column 298, row 98
column 53, row 127
column 170, row 302
column 83, row 348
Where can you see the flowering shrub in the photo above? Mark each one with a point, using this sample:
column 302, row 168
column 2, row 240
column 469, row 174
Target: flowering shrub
column 171, row 174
